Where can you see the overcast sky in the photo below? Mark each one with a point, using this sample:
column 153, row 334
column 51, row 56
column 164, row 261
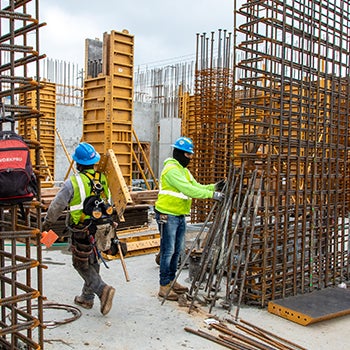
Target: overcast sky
column 162, row 29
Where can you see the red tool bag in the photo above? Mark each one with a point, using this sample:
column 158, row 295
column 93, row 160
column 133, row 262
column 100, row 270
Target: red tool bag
column 17, row 180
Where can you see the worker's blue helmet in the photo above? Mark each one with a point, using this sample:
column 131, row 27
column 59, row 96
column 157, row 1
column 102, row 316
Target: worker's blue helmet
column 85, row 154
column 184, row 144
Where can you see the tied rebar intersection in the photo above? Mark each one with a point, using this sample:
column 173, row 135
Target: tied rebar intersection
column 286, row 131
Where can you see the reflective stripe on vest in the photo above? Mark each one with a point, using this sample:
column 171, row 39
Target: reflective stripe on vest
column 174, row 194
column 82, row 194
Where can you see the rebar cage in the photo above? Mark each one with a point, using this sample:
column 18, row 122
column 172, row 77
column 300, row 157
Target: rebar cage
column 292, row 83
column 278, row 112
column 21, row 282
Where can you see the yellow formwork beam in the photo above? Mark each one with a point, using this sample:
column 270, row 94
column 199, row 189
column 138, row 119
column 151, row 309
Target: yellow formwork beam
column 47, row 124
column 108, row 101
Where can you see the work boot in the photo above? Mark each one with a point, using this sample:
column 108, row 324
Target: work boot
column 179, row 289
column 107, row 299
column 163, row 290
column 86, row 304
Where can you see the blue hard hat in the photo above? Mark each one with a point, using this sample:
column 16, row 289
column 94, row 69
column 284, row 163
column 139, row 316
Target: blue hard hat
column 184, row 144
column 85, row 154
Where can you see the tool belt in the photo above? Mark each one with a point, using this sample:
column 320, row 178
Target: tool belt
column 82, row 251
column 80, row 232
column 103, row 233
column 81, row 254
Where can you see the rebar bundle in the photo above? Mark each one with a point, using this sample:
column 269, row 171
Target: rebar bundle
column 227, row 252
column 68, row 78
column 212, row 117
column 245, row 336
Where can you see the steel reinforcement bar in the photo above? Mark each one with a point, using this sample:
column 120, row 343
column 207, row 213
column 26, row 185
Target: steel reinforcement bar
column 21, row 281
column 291, row 107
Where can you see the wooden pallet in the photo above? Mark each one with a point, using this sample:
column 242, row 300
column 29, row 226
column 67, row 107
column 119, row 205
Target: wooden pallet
column 139, row 242
column 144, row 197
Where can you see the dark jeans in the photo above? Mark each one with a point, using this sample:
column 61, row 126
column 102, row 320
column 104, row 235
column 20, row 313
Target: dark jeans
column 172, row 244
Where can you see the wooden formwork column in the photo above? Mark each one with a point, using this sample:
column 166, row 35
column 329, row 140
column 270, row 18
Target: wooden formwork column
column 108, row 101
column 47, row 126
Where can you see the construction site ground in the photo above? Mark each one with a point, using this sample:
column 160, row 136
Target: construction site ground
column 139, row 320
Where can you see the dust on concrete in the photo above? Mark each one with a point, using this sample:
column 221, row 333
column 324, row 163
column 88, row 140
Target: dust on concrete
column 139, row 320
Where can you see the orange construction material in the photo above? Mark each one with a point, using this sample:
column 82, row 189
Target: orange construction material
column 48, row 238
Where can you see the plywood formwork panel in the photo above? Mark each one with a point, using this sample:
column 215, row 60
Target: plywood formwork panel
column 186, row 113
column 96, row 98
column 47, row 101
column 121, row 52
column 108, row 102
column 119, row 190
column 96, row 121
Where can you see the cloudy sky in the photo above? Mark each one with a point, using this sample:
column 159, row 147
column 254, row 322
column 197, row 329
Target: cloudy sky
column 162, row 29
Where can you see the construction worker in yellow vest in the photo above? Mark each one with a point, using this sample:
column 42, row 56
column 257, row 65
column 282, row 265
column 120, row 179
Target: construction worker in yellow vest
column 87, row 197
column 177, row 188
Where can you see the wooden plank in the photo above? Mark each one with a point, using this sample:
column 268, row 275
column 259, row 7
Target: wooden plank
column 119, row 190
column 143, row 244
column 139, row 245
column 147, row 196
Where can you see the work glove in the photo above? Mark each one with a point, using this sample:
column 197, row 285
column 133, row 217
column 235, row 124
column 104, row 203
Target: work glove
column 218, row 196
column 220, row 185
column 46, row 225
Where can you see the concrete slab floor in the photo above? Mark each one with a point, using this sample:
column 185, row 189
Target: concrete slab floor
column 139, row 321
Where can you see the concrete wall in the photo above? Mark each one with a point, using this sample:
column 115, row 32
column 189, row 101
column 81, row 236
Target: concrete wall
column 69, row 123
column 170, row 130
column 146, row 124
column 160, row 133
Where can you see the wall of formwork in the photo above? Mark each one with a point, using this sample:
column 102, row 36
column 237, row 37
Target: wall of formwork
column 47, row 125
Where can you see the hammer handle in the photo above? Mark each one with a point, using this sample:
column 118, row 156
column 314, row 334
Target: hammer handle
column 126, row 274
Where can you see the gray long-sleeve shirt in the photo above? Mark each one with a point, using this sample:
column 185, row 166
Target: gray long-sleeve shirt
column 60, row 202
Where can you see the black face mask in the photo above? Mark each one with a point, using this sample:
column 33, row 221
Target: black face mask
column 81, row 167
column 180, row 157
